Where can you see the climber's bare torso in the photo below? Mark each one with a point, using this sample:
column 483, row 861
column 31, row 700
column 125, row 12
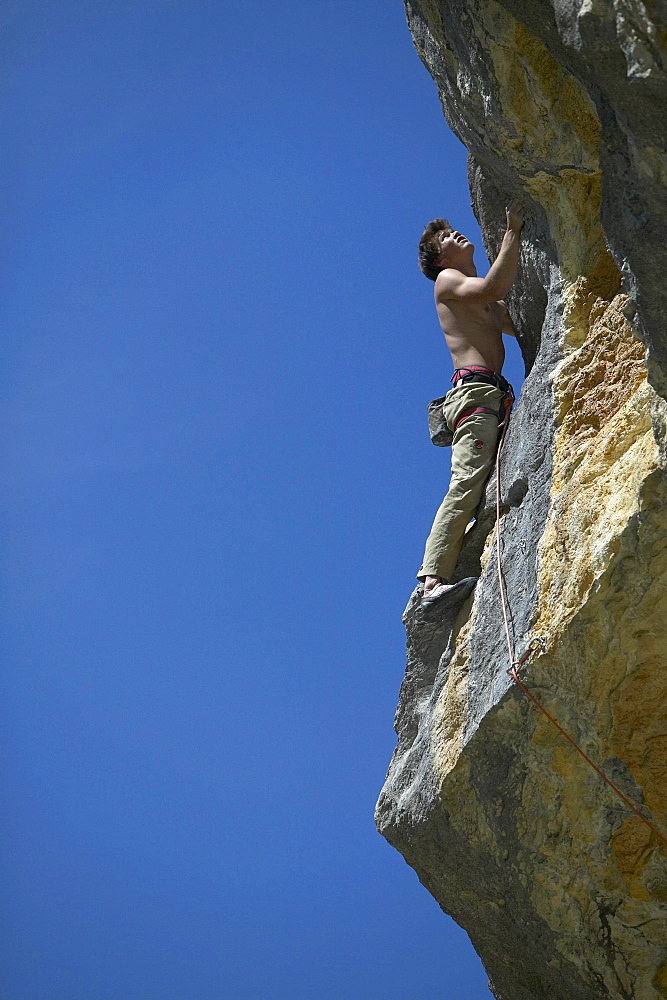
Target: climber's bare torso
column 471, row 310
column 473, row 330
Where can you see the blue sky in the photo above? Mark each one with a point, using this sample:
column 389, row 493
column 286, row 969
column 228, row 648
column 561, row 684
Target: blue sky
column 217, row 355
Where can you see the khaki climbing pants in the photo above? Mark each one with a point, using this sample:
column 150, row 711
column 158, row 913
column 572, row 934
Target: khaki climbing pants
column 473, row 455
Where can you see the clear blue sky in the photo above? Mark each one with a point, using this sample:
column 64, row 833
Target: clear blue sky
column 217, row 354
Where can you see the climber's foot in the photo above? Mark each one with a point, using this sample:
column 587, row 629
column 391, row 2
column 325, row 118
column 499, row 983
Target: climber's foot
column 441, row 594
column 431, row 583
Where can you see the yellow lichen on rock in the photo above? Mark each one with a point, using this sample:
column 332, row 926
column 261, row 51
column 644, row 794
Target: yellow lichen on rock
column 552, row 113
column 593, row 622
column 639, row 727
column 604, row 450
column 451, row 711
column 660, row 981
column 616, row 711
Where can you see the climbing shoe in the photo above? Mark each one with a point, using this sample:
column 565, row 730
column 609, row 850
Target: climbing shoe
column 448, row 593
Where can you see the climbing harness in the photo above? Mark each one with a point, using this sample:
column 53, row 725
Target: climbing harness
column 438, row 430
column 479, row 373
column 515, row 665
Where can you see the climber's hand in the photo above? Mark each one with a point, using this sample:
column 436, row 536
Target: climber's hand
column 514, row 216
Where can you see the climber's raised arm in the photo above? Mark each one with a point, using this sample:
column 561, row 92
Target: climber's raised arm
column 452, row 284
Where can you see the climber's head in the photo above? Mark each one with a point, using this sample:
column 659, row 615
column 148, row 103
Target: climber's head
column 440, row 247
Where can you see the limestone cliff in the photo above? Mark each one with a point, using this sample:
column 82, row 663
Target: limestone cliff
column 562, row 103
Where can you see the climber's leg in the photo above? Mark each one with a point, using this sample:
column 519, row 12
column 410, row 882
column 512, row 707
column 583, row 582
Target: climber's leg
column 473, row 453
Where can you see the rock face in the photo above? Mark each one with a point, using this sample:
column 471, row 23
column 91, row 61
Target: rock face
column 563, row 890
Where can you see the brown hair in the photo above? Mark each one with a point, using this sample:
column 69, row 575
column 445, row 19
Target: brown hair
column 429, row 248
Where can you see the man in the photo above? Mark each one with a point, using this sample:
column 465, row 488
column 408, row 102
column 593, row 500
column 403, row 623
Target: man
column 473, row 317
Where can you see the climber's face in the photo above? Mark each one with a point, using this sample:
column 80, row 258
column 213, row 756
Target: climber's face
column 455, row 246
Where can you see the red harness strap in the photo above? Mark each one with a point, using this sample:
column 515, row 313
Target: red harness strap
column 470, row 412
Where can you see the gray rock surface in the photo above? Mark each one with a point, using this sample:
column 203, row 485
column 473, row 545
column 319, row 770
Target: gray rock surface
column 563, row 891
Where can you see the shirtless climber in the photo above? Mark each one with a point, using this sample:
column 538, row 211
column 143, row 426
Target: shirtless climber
column 473, row 317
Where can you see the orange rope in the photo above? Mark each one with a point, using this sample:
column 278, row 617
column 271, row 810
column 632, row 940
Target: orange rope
column 516, row 664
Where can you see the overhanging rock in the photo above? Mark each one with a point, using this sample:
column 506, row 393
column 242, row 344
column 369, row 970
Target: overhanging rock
column 562, row 103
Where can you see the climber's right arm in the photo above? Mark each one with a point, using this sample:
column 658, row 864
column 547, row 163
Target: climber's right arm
column 453, row 285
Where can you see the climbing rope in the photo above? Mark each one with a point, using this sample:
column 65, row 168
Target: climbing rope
column 515, row 665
